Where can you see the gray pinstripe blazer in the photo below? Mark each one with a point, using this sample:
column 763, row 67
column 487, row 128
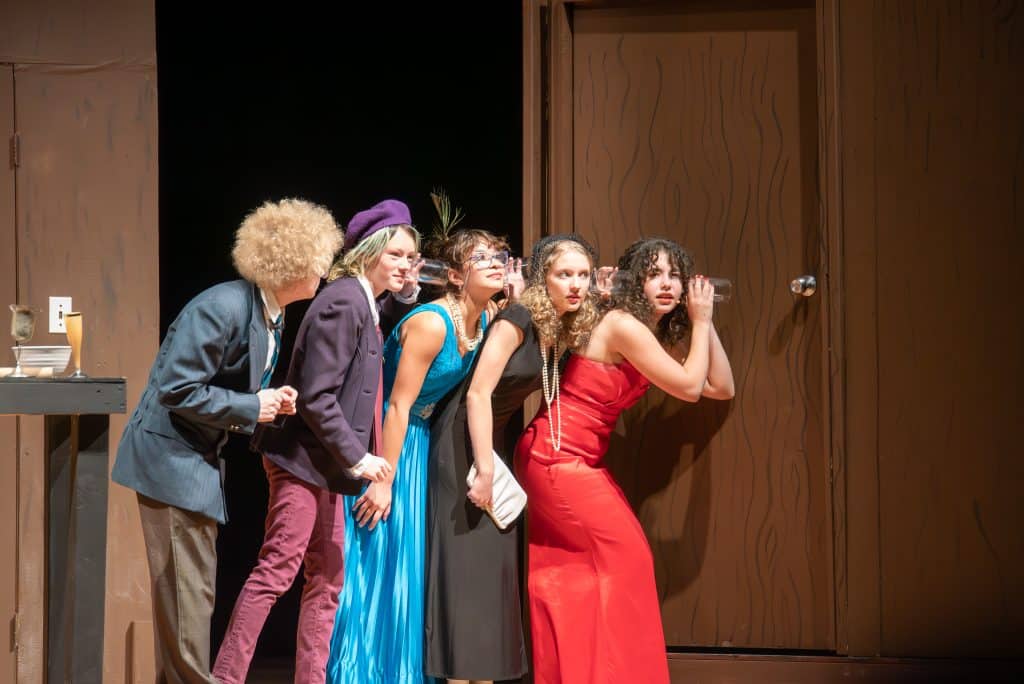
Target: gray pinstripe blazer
column 202, row 385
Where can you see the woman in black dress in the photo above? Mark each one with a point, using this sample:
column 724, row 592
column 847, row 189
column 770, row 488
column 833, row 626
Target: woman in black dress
column 474, row 629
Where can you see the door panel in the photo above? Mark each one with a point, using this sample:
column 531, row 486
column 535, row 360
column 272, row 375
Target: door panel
column 8, row 424
column 702, row 127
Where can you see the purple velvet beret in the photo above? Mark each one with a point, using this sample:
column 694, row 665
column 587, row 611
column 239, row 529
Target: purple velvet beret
column 390, row 212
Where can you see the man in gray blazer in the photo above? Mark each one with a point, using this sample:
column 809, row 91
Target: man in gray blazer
column 210, row 378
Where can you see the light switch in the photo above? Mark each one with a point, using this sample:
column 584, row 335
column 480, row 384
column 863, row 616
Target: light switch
column 58, row 307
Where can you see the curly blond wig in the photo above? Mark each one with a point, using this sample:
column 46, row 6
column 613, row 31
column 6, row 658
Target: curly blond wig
column 282, row 242
column 571, row 330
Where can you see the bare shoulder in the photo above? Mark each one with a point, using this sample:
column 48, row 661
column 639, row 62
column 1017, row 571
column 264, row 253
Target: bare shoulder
column 423, row 333
column 425, row 322
column 618, row 321
column 626, row 336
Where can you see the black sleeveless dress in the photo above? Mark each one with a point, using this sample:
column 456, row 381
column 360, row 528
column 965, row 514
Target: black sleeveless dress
column 474, row 627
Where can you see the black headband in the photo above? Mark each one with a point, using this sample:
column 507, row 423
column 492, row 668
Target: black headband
column 543, row 247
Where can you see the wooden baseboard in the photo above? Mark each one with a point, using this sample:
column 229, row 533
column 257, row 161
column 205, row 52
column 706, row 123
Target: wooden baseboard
column 699, row 668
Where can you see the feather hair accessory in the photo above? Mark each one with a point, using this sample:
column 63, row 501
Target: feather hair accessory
column 447, row 217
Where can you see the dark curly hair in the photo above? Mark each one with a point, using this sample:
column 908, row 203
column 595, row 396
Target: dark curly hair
column 635, row 265
column 456, row 247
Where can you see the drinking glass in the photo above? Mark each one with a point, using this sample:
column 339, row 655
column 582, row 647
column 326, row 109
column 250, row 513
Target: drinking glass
column 73, row 326
column 604, row 279
column 723, row 289
column 433, row 272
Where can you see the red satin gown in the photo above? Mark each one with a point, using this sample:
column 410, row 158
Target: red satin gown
column 594, row 610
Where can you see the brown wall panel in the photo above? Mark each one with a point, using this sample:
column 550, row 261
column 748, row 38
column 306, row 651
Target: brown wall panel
column 859, row 363
column 77, row 32
column 87, row 227
column 950, row 204
column 8, row 424
column 533, row 123
column 31, row 649
column 829, row 201
column 559, row 112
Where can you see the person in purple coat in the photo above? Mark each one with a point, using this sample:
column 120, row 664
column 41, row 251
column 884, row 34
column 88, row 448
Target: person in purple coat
column 328, row 447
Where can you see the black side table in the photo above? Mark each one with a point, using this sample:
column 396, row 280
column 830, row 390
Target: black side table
column 77, row 427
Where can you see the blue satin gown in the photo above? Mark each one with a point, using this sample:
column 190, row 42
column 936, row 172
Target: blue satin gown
column 378, row 632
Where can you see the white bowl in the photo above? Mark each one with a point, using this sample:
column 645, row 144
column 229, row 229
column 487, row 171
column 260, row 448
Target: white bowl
column 55, row 357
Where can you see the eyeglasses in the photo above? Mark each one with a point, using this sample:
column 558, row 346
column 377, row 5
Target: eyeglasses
column 482, row 260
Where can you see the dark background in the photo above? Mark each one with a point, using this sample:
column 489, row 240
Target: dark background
column 386, row 100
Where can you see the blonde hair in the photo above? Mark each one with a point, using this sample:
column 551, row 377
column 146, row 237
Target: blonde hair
column 356, row 261
column 282, row 242
column 572, row 329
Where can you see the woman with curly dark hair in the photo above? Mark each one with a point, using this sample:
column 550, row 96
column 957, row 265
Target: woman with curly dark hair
column 593, row 602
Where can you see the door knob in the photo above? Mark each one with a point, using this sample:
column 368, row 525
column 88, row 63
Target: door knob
column 805, row 285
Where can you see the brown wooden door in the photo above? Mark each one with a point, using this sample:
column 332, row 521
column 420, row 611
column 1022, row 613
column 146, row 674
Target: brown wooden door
column 8, row 424
column 702, row 126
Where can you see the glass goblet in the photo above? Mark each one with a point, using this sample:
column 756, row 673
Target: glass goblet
column 23, row 325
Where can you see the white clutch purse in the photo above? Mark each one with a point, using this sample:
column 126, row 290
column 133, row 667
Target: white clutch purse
column 508, row 498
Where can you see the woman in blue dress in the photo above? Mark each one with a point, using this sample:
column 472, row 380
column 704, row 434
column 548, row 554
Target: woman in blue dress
column 378, row 633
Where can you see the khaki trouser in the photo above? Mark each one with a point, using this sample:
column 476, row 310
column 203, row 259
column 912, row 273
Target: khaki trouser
column 182, row 550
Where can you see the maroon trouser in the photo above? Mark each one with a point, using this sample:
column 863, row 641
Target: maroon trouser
column 304, row 524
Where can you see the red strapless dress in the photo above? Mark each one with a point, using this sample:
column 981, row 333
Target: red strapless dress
column 594, row 610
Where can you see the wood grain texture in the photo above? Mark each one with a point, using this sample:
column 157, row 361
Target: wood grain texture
column 949, row 158
column 767, row 669
column 8, row 424
column 560, row 119
column 702, row 127
column 834, row 381
column 533, row 123
column 31, row 644
column 79, row 32
column 857, row 290
column 87, row 227
column 536, row 138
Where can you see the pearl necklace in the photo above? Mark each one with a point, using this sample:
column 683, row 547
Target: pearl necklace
column 551, row 394
column 460, row 326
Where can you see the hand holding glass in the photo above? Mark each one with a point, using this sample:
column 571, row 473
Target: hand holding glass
column 515, row 283
column 605, row 282
column 604, row 278
column 723, row 288
column 432, row 272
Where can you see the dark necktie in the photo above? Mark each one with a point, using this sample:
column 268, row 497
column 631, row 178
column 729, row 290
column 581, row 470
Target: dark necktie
column 276, row 327
column 378, row 408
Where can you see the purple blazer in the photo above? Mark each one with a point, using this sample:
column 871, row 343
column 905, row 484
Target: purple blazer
column 335, row 368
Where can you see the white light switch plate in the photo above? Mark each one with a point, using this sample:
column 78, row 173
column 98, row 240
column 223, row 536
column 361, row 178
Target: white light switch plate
column 58, row 307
